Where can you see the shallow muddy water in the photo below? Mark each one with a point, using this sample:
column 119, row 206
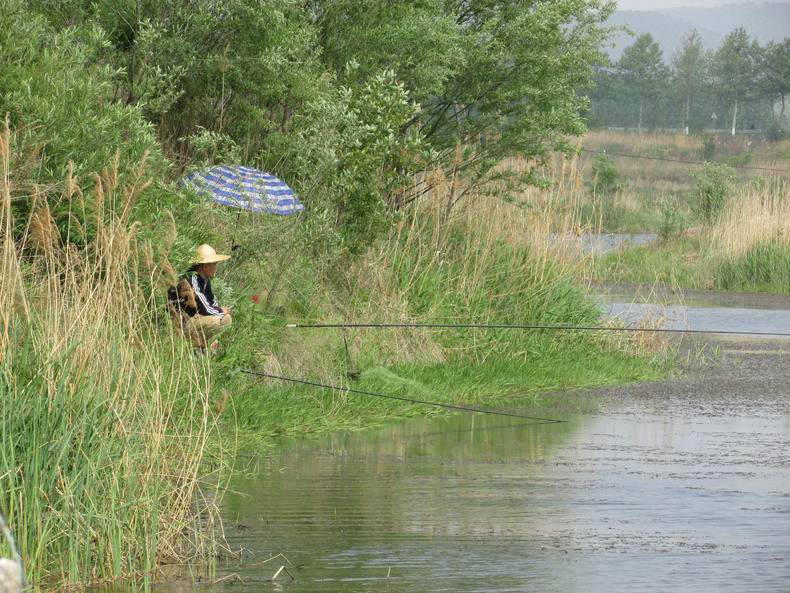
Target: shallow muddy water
column 634, row 293
column 639, row 498
column 600, row 243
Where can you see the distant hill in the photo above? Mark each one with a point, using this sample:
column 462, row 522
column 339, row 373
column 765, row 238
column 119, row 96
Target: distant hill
column 765, row 22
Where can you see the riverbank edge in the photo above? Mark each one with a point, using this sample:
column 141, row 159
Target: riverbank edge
column 259, row 427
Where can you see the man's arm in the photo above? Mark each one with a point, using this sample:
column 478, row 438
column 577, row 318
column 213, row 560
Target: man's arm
column 202, row 302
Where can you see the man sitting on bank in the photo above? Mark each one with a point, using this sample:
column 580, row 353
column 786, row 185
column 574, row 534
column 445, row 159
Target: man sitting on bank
column 205, row 319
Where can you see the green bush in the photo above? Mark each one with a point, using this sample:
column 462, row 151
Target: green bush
column 743, row 159
column 58, row 89
column 712, row 185
column 605, row 177
column 672, row 221
column 708, row 150
column 60, row 95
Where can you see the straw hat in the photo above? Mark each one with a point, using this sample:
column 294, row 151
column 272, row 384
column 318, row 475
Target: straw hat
column 205, row 254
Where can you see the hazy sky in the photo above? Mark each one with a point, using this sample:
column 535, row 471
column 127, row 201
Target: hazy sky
column 659, row 4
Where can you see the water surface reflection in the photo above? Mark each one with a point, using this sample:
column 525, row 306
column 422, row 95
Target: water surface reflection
column 635, row 499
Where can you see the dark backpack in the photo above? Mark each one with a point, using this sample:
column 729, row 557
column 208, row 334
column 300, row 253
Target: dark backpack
column 181, row 302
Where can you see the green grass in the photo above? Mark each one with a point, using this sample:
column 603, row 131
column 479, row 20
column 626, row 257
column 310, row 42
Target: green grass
column 765, row 267
column 613, row 218
column 686, row 262
column 268, row 410
column 466, row 271
column 677, row 263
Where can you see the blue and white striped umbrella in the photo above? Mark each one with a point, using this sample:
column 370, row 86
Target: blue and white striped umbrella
column 246, row 188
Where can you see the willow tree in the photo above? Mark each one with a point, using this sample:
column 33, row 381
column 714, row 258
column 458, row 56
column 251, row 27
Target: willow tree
column 493, row 77
column 347, row 99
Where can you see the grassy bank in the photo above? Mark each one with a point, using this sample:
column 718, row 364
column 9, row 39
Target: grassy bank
column 114, row 435
column 659, row 193
column 720, row 226
column 433, row 267
column 745, row 247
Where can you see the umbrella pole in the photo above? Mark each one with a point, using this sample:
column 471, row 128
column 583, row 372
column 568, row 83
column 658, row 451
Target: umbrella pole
column 233, row 245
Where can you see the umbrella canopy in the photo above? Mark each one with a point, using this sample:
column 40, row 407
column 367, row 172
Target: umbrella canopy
column 246, row 188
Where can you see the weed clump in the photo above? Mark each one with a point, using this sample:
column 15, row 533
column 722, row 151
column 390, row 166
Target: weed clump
column 672, row 221
column 712, row 186
column 765, row 265
column 605, row 177
column 106, row 423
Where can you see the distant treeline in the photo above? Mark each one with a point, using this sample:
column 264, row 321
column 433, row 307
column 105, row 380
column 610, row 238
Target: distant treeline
column 741, row 85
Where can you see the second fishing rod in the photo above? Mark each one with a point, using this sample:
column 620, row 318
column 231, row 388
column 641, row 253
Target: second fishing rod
column 535, row 326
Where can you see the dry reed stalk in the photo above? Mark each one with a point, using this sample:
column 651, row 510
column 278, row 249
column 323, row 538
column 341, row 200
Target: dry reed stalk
column 753, row 215
column 642, row 142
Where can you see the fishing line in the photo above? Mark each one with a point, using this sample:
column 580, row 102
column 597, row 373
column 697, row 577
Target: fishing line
column 403, row 399
column 529, row 327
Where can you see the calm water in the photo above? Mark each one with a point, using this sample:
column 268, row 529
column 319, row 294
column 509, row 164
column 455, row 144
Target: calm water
column 600, row 243
column 639, row 498
column 703, row 318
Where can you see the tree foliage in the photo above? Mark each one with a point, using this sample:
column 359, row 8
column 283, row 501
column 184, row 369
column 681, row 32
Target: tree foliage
column 346, row 100
column 643, row 72
column 775, row 70
column 59, row 89
column 734, row 70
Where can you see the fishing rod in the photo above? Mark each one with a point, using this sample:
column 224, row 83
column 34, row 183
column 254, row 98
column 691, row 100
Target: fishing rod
column 532, row 326
column 404, row 399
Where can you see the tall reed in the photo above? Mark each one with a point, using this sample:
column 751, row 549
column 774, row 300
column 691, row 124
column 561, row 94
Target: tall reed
column 105, row 420
column 749, row 245
column 754, row 213
column 483, row 260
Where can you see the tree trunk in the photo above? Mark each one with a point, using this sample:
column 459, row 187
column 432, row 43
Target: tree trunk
column 734, row 117
column 639, row 125
column 688, row 112
column 132, row 74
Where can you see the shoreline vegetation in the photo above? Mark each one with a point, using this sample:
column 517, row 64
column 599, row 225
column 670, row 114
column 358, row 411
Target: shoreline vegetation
column 110, row 450
column 117, row 442
column 721, row 224
column 430, row 195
